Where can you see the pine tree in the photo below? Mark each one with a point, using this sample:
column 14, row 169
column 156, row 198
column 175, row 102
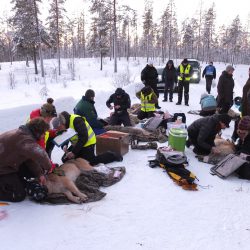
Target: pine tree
column 27, row 27
column 56, row 23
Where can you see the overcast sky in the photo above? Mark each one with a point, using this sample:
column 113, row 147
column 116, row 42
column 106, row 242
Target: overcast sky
column 226, row 10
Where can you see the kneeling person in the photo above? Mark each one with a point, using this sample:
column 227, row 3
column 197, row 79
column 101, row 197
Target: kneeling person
column 21, row 156
column 202, row 132
column 83, row 143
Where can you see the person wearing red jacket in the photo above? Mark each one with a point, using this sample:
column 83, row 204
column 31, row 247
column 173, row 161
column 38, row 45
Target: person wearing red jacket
column 47, row 112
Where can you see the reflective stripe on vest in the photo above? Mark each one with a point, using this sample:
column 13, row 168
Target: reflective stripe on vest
column 186, row 71
column 145, row 105
column 91, row 134
column 46, row 137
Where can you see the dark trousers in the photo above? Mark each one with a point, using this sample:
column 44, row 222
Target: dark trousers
column 192, row 140
column 169, row 86
column 223, row 108
column 209, row 81
column 183, row 85
column 117, row 119
column 142, row 115
column 49, row 146
column 12, row 188
column 88, row 153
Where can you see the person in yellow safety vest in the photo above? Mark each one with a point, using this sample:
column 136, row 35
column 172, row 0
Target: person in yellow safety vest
column 83, row 143
column 148, row 101
column 184, row 72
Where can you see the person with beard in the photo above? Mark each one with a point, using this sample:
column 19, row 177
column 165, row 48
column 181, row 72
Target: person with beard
column 169, row 77
column 185, row 71
column 121, row 102
column 86, row 107
column 225, row 90
column 149, row 77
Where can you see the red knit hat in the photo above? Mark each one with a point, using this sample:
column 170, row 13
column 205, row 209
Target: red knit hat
column 244, row 123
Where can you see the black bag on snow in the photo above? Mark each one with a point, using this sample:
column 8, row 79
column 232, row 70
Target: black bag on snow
column 183, row 116
column 171, row 158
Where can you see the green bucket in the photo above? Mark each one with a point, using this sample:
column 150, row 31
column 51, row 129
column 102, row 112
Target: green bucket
column 177, row 139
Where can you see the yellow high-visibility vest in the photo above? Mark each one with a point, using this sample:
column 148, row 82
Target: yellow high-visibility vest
column 145, row 105
column 91, row 134
column 186, row 71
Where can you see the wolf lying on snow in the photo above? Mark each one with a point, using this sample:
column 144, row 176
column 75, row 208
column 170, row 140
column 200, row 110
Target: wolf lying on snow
column 66, row 184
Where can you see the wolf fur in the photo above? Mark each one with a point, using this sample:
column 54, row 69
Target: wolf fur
column 224, row 147
column 66, row 184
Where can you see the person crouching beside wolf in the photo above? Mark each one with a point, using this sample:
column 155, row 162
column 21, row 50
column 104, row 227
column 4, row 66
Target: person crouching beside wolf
column 20, row 155
column 202, row 133
column 148, row 102
column 83, row 143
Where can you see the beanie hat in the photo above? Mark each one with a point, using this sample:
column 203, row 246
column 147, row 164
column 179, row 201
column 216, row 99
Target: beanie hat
column 89, row 94
column 48, row 109
column 229, row 68
column 185, row 60
column 244, row 123
column 119, row 91
column 225, row 118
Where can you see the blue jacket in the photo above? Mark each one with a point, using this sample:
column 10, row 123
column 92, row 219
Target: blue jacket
column 209, row 72
column 208, row 103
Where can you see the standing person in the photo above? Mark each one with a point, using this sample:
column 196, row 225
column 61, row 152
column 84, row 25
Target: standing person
column 20, row 154
column 245, row 106
column 86, row 107
column 210, row 73
column 225, row 90
column 169, row 77
column 202, row 132
column 149, row 77
column 148, row 100
column 184, row 72
column 83, row 143
column 121, row 101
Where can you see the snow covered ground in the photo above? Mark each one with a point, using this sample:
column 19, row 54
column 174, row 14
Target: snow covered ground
column 146, row 210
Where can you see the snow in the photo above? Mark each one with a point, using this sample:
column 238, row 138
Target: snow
column 146, row 210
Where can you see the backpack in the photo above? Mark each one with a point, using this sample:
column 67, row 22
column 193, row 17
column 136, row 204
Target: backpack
column 170, row 158
column 174, row 164
column 183, row 116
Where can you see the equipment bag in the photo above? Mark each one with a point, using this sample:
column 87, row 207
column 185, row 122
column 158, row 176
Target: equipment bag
column 182, row 115
column 174, row 164
column 153, row 123
column 227, row 166
column 170, row 158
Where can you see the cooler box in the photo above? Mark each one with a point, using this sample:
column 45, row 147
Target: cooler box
column 177, row 139
column 114, row 141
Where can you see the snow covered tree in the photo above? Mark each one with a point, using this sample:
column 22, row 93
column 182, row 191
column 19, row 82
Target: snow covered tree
column 148, row 28
column 101, row 22
column 28, row 29
column 56, row 23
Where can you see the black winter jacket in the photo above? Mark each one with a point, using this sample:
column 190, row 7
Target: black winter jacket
column 149, row 76
column 225, row 90
column 205, row 129
column 243, row 147
column 123, row 101
column 169, row 75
